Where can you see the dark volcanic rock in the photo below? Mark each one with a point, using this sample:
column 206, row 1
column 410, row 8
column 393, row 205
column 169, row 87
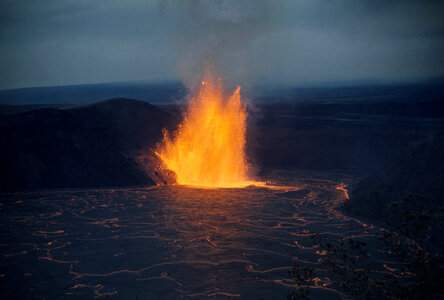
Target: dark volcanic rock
column 362, row 136
column 420, row 172
column 90, row 146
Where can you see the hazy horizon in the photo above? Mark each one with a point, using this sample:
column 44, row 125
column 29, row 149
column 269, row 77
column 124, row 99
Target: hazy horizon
column 275, row 43
column 258, row 85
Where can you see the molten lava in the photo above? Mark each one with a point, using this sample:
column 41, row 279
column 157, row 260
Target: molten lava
column 208, row 148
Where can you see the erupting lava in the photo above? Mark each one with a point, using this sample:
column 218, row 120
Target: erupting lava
column 208, row 148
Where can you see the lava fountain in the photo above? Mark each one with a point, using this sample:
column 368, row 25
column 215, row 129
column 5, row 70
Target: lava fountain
column 208, row 148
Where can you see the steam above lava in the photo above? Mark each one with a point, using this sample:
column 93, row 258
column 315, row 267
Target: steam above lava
column 219, row 32
column 208, row 148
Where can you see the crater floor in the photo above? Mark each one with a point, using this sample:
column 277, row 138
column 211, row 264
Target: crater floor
column 172, row 242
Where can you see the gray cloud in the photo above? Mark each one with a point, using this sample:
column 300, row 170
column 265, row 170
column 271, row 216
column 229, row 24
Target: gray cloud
column 52, row 42
column 216, row 32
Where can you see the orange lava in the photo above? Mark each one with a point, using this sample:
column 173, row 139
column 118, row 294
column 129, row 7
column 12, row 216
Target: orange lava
column 208, row 148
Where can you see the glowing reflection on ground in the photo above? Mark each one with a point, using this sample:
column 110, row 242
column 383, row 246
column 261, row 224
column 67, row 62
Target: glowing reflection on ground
column 171, row 242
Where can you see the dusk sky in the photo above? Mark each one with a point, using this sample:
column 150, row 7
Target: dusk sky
column 312, row 42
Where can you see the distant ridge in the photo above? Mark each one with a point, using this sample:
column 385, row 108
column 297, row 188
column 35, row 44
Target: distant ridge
column 396, row 92
column 167, row 92
column 171, row 92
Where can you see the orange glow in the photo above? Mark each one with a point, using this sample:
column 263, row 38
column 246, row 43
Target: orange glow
column 208, row 148
column 342, row 187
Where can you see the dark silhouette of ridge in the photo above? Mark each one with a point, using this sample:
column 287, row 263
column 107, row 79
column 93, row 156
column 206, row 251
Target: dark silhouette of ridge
column 108, row 143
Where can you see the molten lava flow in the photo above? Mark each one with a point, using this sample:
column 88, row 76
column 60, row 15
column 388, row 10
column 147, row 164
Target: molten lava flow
column 208, row 148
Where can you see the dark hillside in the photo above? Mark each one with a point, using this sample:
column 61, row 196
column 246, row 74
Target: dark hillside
column 95, row 145
column 417, row 177
column 421, row 172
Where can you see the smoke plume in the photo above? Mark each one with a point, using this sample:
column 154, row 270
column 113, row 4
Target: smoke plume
column 216, row 33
